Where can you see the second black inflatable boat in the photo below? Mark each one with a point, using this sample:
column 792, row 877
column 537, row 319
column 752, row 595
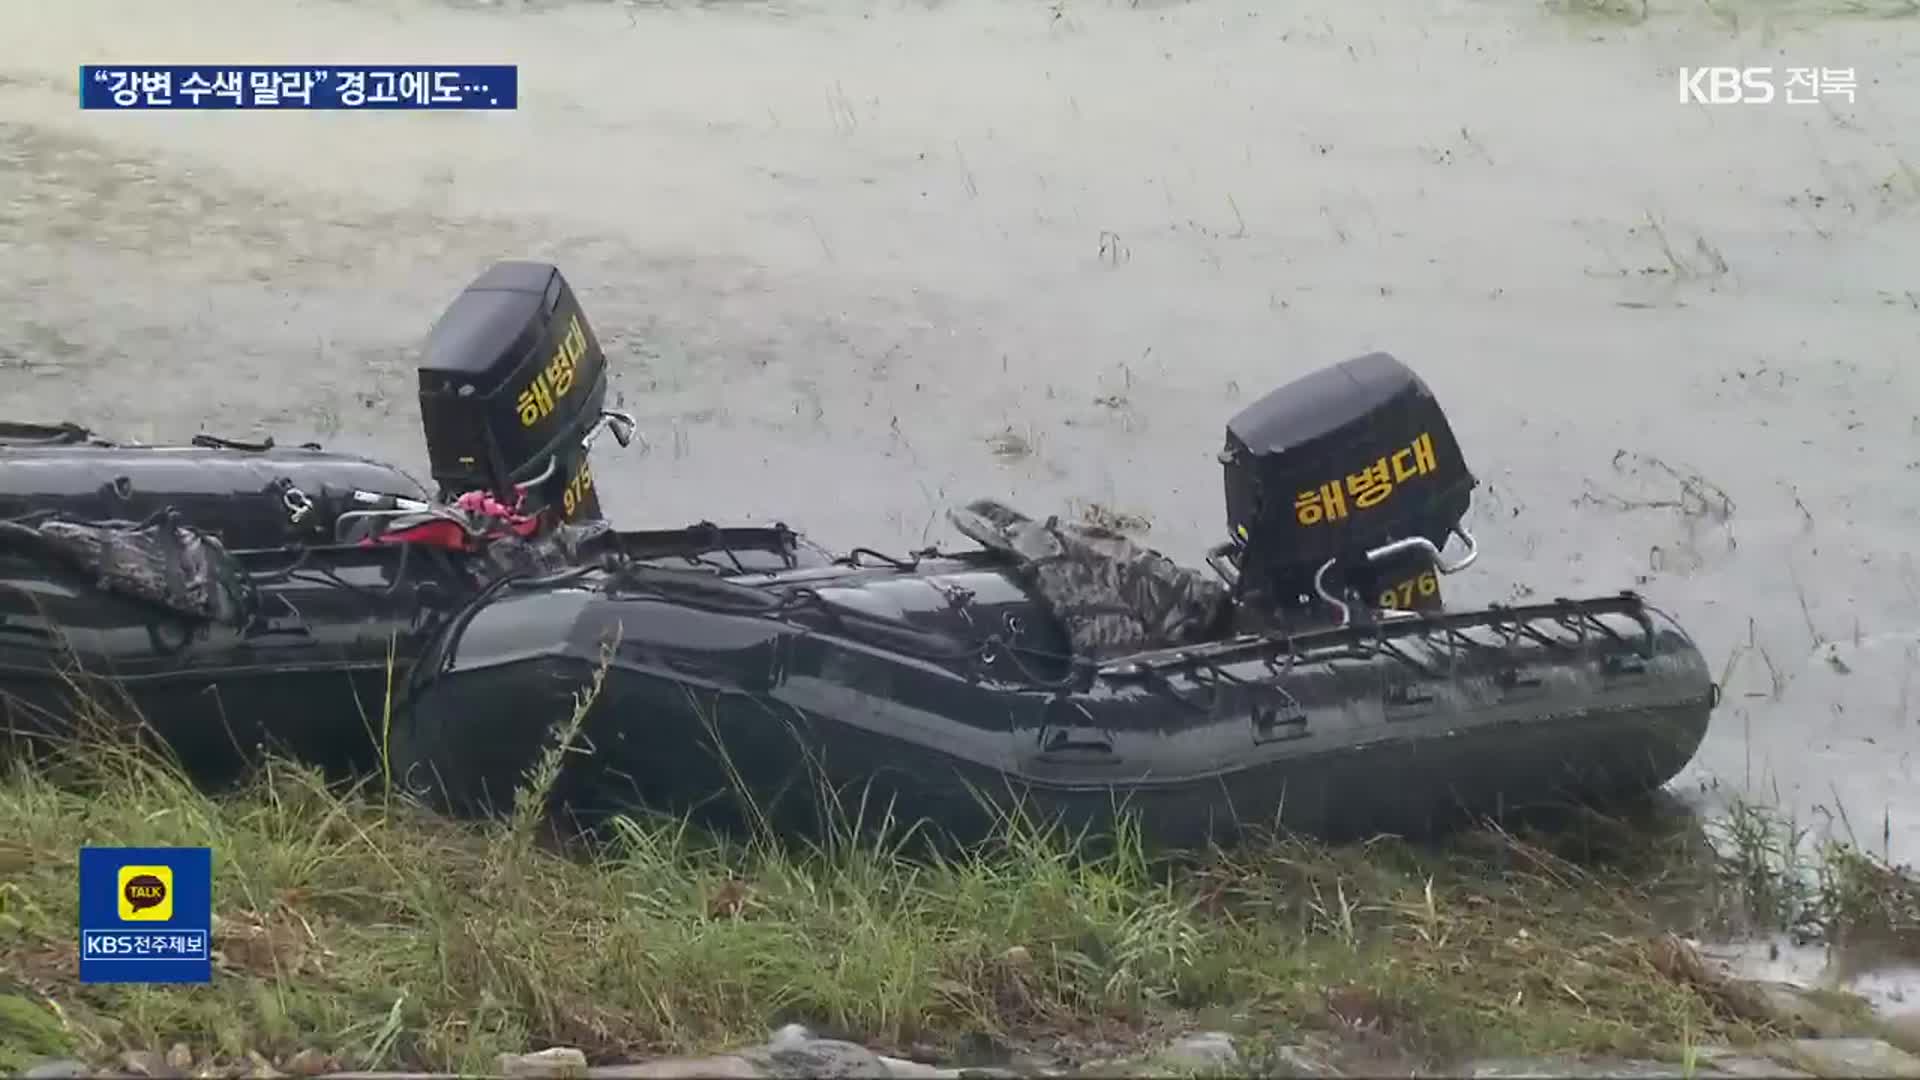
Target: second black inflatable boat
column 1312, row 681
column 947, row 692
column 1310, row 678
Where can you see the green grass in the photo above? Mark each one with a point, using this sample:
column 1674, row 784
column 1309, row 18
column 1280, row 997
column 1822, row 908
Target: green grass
column 366, row 928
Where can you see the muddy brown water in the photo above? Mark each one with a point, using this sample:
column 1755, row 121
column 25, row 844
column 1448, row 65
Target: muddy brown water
column 854, row 263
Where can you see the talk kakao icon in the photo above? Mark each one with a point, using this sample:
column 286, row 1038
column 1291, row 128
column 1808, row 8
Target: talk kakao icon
column 146, row 893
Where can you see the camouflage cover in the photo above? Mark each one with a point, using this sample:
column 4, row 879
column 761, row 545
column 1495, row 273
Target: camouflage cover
column 1113, row 596
column 562, row 547
column 187, row 571
column 160, row 561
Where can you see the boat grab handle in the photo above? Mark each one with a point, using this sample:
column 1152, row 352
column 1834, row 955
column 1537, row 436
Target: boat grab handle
column 1386, row 551
column 1085, row 740
column 624, row 427
column 1218, row 559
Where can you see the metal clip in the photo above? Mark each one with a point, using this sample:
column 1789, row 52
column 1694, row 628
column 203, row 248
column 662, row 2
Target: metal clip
column 297, row 504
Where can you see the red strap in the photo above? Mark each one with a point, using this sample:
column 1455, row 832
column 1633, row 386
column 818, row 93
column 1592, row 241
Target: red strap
column 510, row 517
column 441, row 533
column 438, row 533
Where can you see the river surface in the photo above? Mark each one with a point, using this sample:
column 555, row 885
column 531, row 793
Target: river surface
column 854, row 263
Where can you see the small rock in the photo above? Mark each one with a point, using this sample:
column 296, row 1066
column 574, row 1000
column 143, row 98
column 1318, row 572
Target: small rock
column 1854, row 1057
column 57, row 1069
column 377, row 1075
column 902, row 1069
column 1732, row 1064
column 311, row 1062
column 789, row 1035
column 822, row 1059
column 145, row 1063
column 1568, row 1068
column 554, row 1061
column 793, row 1051
column 1787, row 1007
column 1902, row 1029
column 180, row 1057
column 718, row 1067
column 262, row 1068
column 1029, row 1063
column 1298, row 1061
column 1206, row 1051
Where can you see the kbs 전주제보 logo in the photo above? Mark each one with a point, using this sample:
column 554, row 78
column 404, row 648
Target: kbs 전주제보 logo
column 146, row 915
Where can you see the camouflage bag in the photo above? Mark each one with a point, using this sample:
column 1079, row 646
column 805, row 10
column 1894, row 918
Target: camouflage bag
column 160, row 561
column 563, row 547
column 1113, row 596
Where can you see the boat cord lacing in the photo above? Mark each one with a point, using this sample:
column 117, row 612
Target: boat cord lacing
column 457, row 626
column 911, row 562
column 727, row 550
column 749, row 600
column 321, row 575
column 1206, row 673
column 216, row 442
column 990, row 648
column 36, row 517
column 717, row 538
column 298, row 570
column 851, row 559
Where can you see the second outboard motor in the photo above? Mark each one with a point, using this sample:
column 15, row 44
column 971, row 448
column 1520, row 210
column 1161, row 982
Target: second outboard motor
column 512, row 391
column 1342, row 487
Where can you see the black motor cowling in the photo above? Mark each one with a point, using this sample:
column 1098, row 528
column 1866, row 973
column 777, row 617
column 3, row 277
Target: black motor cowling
column 511, row 382
column 1333, row 465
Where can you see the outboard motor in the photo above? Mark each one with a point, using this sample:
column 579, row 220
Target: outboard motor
column 512, row 392
column 1342, row 489
column 512, row 389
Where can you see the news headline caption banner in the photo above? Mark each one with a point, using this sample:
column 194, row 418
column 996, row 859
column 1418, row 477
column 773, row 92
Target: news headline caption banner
column 146, row 86
column 146, row 915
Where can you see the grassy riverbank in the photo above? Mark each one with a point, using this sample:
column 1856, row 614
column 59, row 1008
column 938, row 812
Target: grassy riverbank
column 372, row 934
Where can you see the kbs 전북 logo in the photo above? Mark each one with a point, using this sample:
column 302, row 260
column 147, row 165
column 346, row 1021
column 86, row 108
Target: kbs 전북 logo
column 1760, row 86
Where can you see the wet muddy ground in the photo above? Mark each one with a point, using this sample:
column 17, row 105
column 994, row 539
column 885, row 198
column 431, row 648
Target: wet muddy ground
column 855, row 263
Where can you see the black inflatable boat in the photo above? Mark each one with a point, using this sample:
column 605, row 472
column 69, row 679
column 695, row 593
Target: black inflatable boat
column 1311, row 678
column 235, row 596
